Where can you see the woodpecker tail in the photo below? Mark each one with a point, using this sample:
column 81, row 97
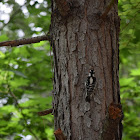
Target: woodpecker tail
column 87, row 98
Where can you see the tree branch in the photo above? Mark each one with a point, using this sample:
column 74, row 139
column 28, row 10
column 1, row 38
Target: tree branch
column 63, row 7
column 31, row 40
column 59, row 135
column 112, row 121
column 46, row 112
column 103, row 16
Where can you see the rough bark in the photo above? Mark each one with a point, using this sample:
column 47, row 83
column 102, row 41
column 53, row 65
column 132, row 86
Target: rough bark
column 83, row 41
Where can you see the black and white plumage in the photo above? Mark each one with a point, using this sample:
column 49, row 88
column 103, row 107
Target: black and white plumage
column 90, row 85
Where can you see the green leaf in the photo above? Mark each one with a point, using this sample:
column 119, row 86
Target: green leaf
column 18, row 82
column 126, row 81
column 135, row 72
column 3, row 38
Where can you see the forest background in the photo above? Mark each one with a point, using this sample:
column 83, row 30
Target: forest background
column 26, row 71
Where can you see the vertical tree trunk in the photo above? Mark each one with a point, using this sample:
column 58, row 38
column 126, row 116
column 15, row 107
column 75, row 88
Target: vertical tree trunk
column 82, row 40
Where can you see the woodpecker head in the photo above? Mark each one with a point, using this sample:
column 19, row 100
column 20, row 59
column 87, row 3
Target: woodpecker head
column 91, row 73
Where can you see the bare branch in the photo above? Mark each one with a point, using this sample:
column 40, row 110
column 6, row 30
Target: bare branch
column 46, row 112
column 134, row 16
column 31, row 40
column 103, row 16
column 63, row 7
column 59, row 135
column 11, row 93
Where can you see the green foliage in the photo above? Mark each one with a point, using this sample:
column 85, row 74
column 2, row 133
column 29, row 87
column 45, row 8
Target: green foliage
column 25, row 75
column 26, row 72
column 130, row 67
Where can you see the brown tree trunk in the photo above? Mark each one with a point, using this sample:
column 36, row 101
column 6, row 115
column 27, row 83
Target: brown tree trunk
column 82, row 40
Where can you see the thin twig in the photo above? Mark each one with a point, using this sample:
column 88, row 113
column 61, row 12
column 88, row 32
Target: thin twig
column 20, row 108
column 46, row 112
column 134, row 16
column 30, row 130
column 13, row 95
column 103, row 16
column 31, row 40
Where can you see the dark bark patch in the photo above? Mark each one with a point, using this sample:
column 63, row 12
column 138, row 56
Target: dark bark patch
column 112, row 122
column 59, row 135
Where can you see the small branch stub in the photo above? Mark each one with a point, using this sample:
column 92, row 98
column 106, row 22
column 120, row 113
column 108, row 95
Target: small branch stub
column 112, row 121
column 46, row 112
column 59, row 135
column 115, row 111
column 31, row 40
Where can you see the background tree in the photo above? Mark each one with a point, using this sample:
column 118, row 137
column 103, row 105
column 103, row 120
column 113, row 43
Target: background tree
column 21, row 68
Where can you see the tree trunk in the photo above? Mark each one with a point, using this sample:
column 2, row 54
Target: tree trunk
column 82, row 40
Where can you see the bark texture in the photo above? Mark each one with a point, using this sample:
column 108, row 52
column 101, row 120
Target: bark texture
column 82, row 41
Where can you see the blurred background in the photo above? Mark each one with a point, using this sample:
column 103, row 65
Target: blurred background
column 26, row 72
